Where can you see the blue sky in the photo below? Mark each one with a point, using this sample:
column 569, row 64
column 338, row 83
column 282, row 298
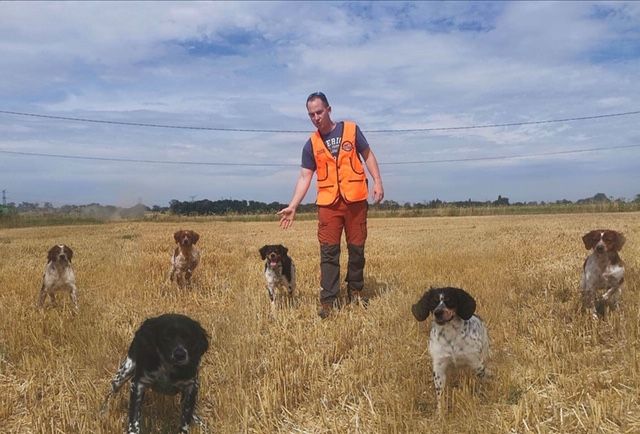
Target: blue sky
column 388, row 66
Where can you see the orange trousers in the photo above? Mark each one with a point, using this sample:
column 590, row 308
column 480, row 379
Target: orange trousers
column 332, row 221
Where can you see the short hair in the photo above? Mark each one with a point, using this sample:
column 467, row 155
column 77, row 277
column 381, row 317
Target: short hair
column 319, row 95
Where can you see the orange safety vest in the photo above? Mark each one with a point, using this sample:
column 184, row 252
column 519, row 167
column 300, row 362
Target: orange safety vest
column 342, row 176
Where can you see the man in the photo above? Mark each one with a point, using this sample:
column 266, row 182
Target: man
column 335, row 152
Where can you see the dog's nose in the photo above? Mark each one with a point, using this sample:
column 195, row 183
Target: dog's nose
column 600, row 248
column 179, row 354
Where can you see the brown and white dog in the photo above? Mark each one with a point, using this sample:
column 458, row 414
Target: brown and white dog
column 58, row 275
column 603, row 269
column 279, row 271
column 185, row 257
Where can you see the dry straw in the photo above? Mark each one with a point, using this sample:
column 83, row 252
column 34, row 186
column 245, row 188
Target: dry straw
column 555, row 370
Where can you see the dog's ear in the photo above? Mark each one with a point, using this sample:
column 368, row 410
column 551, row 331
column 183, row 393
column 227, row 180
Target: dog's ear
column 201, row 342
column 283, row 250
column 465, row 303
column 194, row 237
column 263, row 252
column 68, row 252
column 53, row 252
column 590, row 239
column 619, row 240
column 424, row 306
column 144, row 340
column 176, row 235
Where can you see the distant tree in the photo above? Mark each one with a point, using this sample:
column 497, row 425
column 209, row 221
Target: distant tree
column 501, row 201
column 28, row 206
column 597, row 198
column 388, row 205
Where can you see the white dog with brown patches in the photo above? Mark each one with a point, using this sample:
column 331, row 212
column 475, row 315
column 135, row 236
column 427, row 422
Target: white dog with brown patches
column 58, row 275
column 186, row 257
column 603, row 269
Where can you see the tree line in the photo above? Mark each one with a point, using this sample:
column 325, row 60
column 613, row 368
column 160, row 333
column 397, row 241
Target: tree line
column 249, row 207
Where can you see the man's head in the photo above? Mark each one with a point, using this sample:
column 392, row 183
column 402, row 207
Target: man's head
column 320, row 112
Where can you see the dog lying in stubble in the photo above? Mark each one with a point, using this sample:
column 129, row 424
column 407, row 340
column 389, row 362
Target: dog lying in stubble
column 165, row 356
column 279, row 271
column 186, row 257
column 58, row 275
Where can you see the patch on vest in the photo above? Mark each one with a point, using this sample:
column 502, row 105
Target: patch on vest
column 347, row 146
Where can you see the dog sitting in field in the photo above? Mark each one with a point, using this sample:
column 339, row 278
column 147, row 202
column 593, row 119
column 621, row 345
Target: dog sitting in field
column 164, row 355
column 279, row 270
column 457, row 337
column 603, row 269
column 58, row 275
column 186, row 257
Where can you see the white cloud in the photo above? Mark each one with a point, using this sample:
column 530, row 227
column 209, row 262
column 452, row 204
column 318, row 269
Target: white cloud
column 387, row 65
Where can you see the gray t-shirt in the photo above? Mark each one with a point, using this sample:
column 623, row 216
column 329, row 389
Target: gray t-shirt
column 332, row 140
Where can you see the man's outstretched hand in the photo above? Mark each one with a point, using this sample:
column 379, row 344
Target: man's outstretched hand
column 286, row 217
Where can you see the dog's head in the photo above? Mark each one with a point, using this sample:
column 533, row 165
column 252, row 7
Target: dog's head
column 178, row 339
column 186, row 238
column 445, row 303
column 603, row 240
column 273, row 254
column 60, row 254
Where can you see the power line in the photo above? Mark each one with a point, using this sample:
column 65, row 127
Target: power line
column 511, row 157
column 141, row 160
column 251, row 130
column 203, row 163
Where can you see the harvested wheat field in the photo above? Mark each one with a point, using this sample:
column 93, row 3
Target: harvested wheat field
column 554, row 369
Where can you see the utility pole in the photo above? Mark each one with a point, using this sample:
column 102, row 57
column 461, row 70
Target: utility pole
column 193, row 197
column 4, row 197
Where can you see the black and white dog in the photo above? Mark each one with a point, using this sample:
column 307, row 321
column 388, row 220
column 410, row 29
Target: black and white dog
column 164, row 355
column 279, row 270
column 58, row 275
column 457, row 337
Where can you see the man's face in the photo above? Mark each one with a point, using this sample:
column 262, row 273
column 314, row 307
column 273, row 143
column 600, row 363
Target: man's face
column 319, row 115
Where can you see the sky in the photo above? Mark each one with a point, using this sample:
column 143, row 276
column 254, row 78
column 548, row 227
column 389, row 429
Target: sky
column 216, row 67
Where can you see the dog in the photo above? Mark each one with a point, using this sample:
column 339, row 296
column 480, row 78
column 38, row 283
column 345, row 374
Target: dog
column 164, row 355
column 279, row 270
column 186, row 257
column 602, row 269
column 457, row 337
column 58, row 275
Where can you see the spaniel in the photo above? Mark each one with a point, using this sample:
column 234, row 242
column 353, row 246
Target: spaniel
column 186, row 257
column 58, row 275
column 457, row 337
column 603, row 269
column 165, row 356
column 279, row 270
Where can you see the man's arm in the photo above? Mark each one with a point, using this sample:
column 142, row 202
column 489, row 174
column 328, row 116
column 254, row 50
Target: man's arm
column 302, row 186
column 372, row 165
